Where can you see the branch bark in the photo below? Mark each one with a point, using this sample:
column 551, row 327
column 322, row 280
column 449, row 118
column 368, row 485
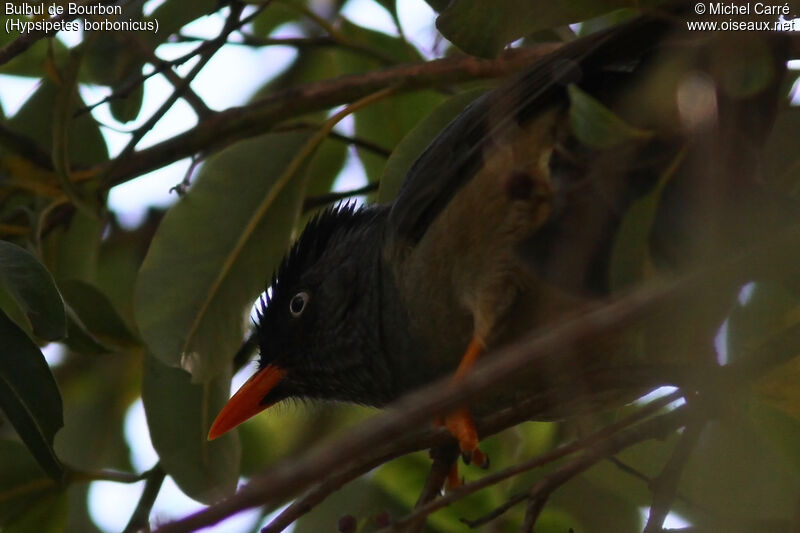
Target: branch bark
column 226, row 127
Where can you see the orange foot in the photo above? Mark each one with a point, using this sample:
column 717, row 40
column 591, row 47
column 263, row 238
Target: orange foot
column 459, row 423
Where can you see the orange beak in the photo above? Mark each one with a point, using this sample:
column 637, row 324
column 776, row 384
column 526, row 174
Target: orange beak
column 247, row 400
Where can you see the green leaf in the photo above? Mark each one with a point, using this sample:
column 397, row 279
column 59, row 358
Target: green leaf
column 279, row 13
column 80, row 340
column 387, row 122
column 582, row 504
column 29, row 395
column 33, row 289
column 45, row 515
column 71, row 250
column 179, row 414
column 97, row 313
column 767, row 309
column 127, row 108
column 735, row 467
column 597, row 126
column 36, row 117
column 485, row 28
column 31, row 62
column 391, row 7
column 630, row 258
column 780, row 157
column 113, row 56
column 782, row 431
column 214, row 252
column 414, row 143
column 22, row 484
column 172, row 16
column 767, row 312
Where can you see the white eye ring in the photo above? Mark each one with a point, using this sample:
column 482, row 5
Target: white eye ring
column 298, row 303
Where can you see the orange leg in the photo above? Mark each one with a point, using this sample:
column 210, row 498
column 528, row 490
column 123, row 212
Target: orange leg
column 459, row 422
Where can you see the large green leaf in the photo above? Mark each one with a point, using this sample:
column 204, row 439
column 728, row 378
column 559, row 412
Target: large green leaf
column 31, row 62
column 114, row 58
column 279, row 13
column 414, row 143
column 597, row 126
column 630, row 258
column 36, row 118
column 47, row 514
column 33, row 289
column 484, row 28
column 172, row 16
column 781, row 160
column 214, row 252
column 29, row 395
column 734, row 474
column 96, row 313
column 71, row 250
column 766, row 312
column 23, row 486
column 179, row 414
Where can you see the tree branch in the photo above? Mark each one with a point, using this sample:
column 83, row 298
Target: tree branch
column 658, row 427
column 231, row 23
column 541, row 460
column 226, row 127
column 665, row 486
column 141, row 515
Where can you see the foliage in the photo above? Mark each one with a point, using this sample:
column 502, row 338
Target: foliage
column 160, row 312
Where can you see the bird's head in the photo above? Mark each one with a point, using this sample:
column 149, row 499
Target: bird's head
column 309, row 346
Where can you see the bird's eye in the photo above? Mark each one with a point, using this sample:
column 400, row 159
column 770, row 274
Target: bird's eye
column 298, row 304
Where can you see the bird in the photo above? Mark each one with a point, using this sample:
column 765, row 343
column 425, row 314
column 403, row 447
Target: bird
column 505, row 223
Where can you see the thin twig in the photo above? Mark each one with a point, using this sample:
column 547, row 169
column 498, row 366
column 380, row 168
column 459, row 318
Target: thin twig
column 140, row 517
column 647, row 480
column 231, row 23
column 444, row 459
column 359, row 142
column 181, row 188
column 187, row 93
column 656, row 427
column 541, row 460
column 159, row 66
column 665, row 486
column 104, row 475
column 532, row 513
